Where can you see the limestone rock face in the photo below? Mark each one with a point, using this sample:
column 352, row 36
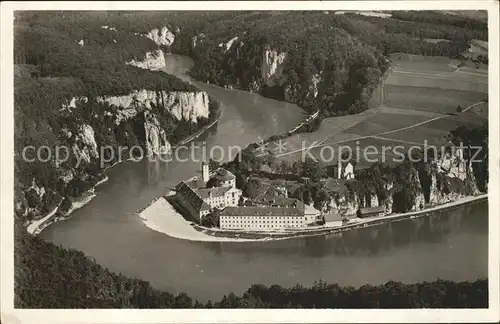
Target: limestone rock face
column 161, row 36
column 85, row 145
column 187, row 105
column 314, row 88
column 156, row 140
column 271, row 65
column 452, row 177
column 419, row 202
column 342, row 205
column 228, row 45
column 153, row 61
column 182, row 105
column 73, row 102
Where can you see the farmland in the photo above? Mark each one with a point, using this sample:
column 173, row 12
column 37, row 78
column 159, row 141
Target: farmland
column 416, row 104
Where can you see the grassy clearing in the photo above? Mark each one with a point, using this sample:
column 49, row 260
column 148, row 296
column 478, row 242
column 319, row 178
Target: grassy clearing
column 383, row 122
column 426, row 89
column 410, row 62
column 366, row 13
column 435, row 131
column 408, row 112
column 436, row 40
column 330, row 127
column 473, row 14
column 429, row 99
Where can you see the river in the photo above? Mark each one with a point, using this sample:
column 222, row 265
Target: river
column 450, row 245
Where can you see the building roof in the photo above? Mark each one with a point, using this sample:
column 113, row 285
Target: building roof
column 334, row 185
column 280, row 201
column 371, row 210
column 310, row 210
column 212, row 192
column 262, row 211
column 196, row 183
column 224, row 175
column 192, row 197
column 332, row 217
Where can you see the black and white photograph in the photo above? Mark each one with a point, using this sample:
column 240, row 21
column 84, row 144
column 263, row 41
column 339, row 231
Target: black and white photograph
column 220, row 156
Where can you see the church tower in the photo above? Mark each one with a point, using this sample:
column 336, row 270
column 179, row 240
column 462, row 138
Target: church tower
column 205, row 171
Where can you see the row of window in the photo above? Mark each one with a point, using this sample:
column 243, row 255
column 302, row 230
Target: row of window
column 262, row 226
column 260, row 218
column 245, row 221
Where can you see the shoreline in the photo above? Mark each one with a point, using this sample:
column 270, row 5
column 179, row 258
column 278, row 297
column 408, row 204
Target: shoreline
column 201, row 131
column 162, row 217
column 37, row 226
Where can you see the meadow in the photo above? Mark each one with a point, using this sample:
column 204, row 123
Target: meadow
column 417, row 104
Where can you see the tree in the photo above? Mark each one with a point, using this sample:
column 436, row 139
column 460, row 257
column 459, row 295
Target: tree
column 213, row 165
column 313, row 170
column 212, row 219
column 252, row 188
column 459, row 109
column 213, row 182
column 241, row 180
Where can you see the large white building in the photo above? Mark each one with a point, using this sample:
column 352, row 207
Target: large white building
column 258, row 218
column 269, row 214
column 199, row 200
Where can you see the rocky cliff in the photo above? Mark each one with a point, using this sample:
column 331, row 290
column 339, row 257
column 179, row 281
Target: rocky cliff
column 442, row 180
column 152, row 61
column 155, row 136
column 162, row 36
column 451, row 177
column 95, row 131
column 190, row 106
column 271, row 65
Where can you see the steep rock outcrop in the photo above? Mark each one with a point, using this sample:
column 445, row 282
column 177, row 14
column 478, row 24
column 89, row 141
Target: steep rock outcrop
column 85, row 146
column 161, row 36
column 189, row 106
column 271, row 65
column 155, row 137
column 153, row 61
column 73, row 102
column 343, row 205
column 228, row 45
column 451, row 177
column 314, row 88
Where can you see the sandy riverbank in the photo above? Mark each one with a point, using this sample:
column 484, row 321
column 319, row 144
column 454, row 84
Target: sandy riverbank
column 162, row 217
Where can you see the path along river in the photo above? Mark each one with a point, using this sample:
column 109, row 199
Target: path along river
column 449, row 245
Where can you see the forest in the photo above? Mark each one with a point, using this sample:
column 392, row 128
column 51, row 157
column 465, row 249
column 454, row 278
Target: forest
column 346, row 53
column 49, row 276
column 63, row 55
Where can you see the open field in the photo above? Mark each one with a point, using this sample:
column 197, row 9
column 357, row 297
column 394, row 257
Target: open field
column 408, row 62
column 366, row 13
column 382, row 122
column 417, row 104
column 428, row 98
column 434, row 131
column 474, row 14
column 464, row 81
column 330, row 127
column 436, row 40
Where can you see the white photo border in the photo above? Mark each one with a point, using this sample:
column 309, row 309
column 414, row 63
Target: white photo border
column 11, row 315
